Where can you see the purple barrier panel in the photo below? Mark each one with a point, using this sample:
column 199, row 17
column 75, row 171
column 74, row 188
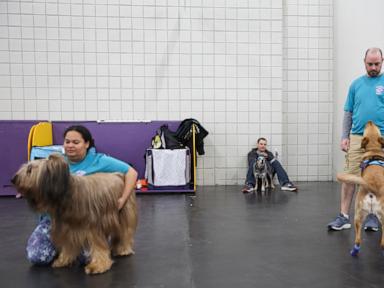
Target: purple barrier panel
column 13, row 150
column 126, row 141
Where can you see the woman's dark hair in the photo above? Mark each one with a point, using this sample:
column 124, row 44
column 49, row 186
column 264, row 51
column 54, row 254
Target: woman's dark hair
column 87, row 136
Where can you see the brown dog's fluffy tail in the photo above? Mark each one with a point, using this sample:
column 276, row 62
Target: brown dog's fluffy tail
column 351, row 179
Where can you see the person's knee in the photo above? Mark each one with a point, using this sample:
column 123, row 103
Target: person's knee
column 40, row 258
column 275, row 164
column 37, row 261
column 251, row 165
column 252, row 162
column 40, row 249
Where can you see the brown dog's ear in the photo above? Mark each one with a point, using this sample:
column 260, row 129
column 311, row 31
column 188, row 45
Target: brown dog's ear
column 364, row 142
column 381, row 141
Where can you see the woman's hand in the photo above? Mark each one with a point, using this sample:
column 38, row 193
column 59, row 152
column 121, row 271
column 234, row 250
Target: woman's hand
column 121, row 202
column 129, row 187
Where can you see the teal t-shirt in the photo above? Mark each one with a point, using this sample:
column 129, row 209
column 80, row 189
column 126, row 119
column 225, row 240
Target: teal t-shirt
column 365, row 101
column 93, row 163
column 97, row 162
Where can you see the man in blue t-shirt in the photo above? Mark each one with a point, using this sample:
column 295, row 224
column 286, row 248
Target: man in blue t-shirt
column 365, row 102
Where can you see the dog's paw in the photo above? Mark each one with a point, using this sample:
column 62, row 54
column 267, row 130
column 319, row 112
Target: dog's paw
column 61, row 262
column 123, row 252
column 98, row 267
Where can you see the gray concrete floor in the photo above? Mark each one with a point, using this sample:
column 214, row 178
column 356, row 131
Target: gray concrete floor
column 216, row 238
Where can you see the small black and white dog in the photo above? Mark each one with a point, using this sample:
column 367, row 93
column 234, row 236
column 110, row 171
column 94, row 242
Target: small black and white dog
column 263, row 173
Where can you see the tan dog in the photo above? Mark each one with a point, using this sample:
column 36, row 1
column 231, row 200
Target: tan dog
column 370, row 197
column 84, row 211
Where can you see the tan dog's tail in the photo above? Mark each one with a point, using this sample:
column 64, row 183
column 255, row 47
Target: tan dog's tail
column 351, row 179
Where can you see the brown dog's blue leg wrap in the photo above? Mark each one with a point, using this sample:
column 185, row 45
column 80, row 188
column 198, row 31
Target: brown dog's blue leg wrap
column 355, row 250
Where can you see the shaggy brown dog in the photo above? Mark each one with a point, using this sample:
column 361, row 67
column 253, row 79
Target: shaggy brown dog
column 84, row 211
column 370, row 197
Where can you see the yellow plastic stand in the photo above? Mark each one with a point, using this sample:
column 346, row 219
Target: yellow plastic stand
column 40, row 135
column 30, row 136
column 194, row 155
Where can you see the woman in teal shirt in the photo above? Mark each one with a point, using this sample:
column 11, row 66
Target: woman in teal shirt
column 83, row 159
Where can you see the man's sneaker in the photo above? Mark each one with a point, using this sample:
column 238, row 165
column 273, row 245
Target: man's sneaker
column 247, row 188
column 341, row 222
column 371, row 223
column 289, row 187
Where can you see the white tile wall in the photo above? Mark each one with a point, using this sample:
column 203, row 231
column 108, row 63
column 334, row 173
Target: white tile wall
column 308, row 98
column 244, row 69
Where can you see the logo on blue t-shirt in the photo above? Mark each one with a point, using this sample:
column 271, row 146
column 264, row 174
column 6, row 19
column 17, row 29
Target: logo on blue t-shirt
column 80, row 173
column 379, row 90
